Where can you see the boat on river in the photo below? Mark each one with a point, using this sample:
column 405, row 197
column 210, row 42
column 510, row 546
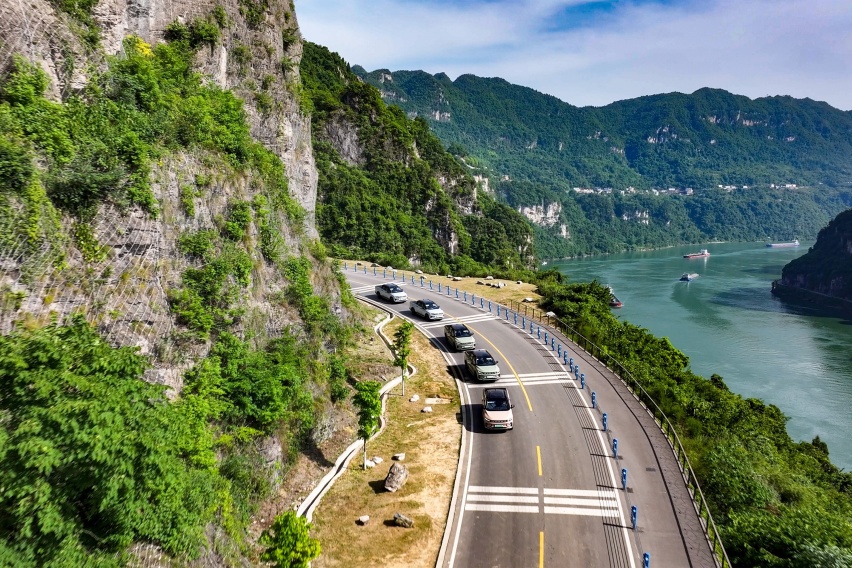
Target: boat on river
column 688, row 277
column 703, row 253
column 613, row 301
column 793, row 243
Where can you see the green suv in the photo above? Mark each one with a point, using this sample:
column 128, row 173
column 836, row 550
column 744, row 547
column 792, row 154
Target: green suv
column 481, row 365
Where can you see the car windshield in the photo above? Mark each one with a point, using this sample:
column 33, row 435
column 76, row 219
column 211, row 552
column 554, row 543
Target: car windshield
column 394, row 288
column 486, row 360
column 464, row 332
column 430, row 305
column 496, row 404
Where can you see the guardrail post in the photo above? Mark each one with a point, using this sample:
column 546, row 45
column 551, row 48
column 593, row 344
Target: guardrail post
column 448, row 290
column 439, row 287
column 646, row 560
column 489, row 305
column 615, row 448
column 473, row 299
column 571, row 364
column 576, row 372
column 457, row 293
column 634, row 512
column 385, row 273
column 481, row 303
column 430, row 285
column 552, row 343
column 604, row 420
column 507, row 313
column 624, row 478
column 565, row 357
column 516, row 318
column 393, row 275
column 545, row 338
column 345, row 266
column 559, row 350
column 365, row 269
column 583, row 382
column 594, row 399
column 374, row 271
column 465, row 295
column 538, row 331
column 523, row 323
column 412, row 279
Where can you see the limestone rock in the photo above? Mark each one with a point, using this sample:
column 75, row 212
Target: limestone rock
column 369, row 464
column 396, row 478
column 401, row 520
column 399, row 457
column 426, row 409
column 377, row 459
column 414, row 398
column 363, row 520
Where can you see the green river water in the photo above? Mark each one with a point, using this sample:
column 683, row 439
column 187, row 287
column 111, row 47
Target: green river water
column 727, row 322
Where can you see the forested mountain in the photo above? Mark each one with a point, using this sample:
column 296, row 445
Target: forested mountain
column 389, row 190
column 535, row 149
column 827, row 266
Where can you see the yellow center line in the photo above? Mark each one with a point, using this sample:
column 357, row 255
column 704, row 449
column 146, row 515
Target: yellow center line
column 506, row 360
column 541, row 549
column 538, row 455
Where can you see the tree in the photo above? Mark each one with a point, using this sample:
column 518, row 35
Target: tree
column 369, row 403
column 288, row 544
column 402, row 349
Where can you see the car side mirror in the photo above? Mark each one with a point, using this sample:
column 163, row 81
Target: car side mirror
column 511, row 406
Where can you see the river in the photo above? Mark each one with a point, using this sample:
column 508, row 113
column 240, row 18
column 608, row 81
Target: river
column 727, row 322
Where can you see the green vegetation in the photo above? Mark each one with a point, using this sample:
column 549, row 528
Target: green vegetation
column 369, row 404
column 387, row 202
column 547, row 147
column 826, row 268
column 778, row 503
column 402, row 349
column 288, row 543
column 92, row 457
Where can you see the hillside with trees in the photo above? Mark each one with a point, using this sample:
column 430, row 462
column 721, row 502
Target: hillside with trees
column 388, row 188
column 775, row 158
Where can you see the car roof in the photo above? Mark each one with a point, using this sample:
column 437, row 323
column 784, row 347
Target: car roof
column 457, row 326
column 479, row 353
column 499, row 392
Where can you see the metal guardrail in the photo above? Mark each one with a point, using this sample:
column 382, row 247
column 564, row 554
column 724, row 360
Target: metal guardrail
column 647, row 400
column 551, row 321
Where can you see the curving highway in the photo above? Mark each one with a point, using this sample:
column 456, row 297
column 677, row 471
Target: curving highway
column 551, row 491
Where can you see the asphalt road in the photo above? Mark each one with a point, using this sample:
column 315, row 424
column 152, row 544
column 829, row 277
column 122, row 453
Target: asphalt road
column 549, row 492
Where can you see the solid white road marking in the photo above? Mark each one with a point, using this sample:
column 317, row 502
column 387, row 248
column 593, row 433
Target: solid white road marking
column 501, row 508
column 506, row 498
column 496, row 489
column 580, row 502
column 580, row 512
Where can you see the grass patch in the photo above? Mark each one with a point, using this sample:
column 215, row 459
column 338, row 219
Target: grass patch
column 431, row 444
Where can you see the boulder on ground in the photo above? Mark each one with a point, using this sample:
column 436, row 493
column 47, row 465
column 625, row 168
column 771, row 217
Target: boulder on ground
column 399, row 457
column 363, row 520
column 369, row 464
column 426, row 409
column 377, row 459
column 489, row 278
column 401, row 520
column 414, row 398
column 397, row 476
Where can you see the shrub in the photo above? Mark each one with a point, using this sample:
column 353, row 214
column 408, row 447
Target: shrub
column 287, row 542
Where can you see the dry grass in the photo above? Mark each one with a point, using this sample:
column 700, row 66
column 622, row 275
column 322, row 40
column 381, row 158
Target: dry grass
column 431, row 444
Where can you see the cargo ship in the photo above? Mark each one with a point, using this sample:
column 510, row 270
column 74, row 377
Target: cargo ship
column 703, row 253
column 793, row 243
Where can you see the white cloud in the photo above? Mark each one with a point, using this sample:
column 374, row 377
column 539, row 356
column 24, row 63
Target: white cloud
column 800, row 48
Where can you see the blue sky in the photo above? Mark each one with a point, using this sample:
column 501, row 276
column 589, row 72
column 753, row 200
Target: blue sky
column 594, row 53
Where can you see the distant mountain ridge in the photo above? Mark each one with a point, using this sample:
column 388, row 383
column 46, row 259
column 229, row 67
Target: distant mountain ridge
column 708, row 138
column 641, row 173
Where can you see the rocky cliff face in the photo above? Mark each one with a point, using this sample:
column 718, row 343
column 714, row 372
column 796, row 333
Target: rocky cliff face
column 827, row 267
column 126, row 292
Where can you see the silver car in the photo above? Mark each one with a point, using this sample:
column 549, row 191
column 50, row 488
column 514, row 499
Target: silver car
column 481, row 365
column 459, row 337
column 426, row 309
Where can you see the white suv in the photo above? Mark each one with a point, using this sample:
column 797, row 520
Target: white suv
column 426, row 309
column 391, row 292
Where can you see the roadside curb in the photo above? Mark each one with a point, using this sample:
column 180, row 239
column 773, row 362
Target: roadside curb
column 306, row 509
